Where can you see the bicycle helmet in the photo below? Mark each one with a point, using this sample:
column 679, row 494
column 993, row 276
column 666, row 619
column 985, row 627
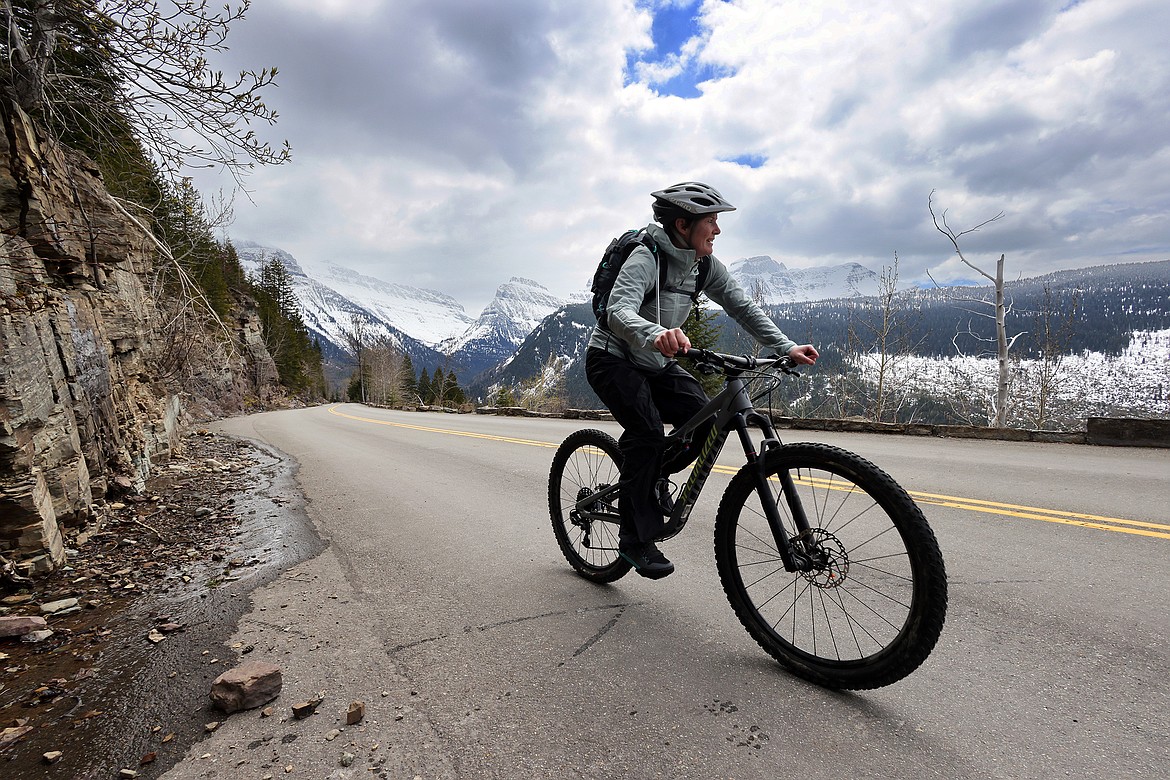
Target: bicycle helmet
column 690, row 198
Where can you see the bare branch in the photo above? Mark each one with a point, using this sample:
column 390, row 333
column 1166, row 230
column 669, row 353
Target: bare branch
column 1003, row 344
column 940, row 224
column 98, row 68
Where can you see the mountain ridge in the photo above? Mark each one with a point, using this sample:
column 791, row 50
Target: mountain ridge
column 1112, row 300
column 525, row 323
column 771, row 282
column 430, row 326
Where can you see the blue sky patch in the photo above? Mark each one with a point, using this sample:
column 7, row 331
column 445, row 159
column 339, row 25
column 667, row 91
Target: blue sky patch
column 674, row 24
column 748, row 160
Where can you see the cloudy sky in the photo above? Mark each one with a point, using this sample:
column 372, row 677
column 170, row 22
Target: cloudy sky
column 453, row 144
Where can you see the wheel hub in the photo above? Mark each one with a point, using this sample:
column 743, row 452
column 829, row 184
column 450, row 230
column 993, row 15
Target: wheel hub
column 581, row 519
column 596, row 507
column 829, row 560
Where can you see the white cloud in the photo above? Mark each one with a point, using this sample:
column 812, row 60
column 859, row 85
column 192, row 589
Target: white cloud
column 454, row 145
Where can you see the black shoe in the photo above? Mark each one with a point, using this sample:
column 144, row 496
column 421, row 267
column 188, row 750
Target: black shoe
column 647, row 560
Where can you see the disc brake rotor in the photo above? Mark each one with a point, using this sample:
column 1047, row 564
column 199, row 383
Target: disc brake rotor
column 830, row 561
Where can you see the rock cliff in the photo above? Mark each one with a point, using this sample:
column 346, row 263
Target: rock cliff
column 83, row 409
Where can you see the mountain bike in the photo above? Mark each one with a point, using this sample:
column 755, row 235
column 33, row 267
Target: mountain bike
column 827, row 562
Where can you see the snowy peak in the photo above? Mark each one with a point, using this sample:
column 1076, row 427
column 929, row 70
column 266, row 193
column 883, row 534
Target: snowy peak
column 253, row 256
column 330, row 294
column 430, row 326
column 760, row 265
column 427, row 315
column 775, row 283
column 327, row 313
column 521, row 300
column 518, row 307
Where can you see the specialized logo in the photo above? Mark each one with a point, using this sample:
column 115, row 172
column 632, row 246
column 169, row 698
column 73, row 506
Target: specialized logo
column 702, row 470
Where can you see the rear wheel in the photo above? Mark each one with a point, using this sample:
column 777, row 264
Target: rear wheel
column 586, row 462
column 870, row 606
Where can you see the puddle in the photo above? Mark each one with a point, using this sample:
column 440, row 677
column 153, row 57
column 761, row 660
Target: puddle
column 118, row 699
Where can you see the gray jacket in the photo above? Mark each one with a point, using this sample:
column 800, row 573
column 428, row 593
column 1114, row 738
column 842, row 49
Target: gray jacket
column 634, row 326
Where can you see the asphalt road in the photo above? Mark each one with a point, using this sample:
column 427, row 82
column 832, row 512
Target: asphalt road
column 443, row 603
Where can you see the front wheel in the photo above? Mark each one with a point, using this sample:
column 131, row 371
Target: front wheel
column 870, row 603
column 587, row 462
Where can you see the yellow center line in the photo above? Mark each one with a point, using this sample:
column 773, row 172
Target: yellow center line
column 1124, row 526
column 1117, row 524
column 428, row 429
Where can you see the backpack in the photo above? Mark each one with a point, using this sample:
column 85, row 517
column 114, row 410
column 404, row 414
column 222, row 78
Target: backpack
column 615, row 257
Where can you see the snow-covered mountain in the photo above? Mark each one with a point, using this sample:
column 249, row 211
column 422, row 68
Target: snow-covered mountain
column 517, row 309
column 430, row 326
column 329, row 315
column 1104, row 307
column 429, row 316
column 330, row 289
column 778, row 284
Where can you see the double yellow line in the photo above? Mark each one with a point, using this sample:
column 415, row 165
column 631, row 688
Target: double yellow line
column 1117, row 524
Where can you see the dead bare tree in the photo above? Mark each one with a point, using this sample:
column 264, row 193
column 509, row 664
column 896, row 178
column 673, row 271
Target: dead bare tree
column 884, row 340
column 1054, row 325
column 744, row 343
column 355, row 338
column 1003, row 344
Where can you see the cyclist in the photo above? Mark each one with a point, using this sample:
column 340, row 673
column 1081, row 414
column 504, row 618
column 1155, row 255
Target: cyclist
column 630, row 364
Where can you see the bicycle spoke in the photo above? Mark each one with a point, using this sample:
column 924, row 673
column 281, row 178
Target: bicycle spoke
column 586, row 463
column 838, row 620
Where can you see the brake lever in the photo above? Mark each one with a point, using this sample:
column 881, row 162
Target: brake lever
column 785, row 364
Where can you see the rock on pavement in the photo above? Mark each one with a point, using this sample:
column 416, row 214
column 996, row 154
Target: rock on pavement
column 248, row 685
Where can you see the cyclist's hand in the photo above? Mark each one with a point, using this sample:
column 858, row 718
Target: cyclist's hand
column 804, row 355
column 671, row 342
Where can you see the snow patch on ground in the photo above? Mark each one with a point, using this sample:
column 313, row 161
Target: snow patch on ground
column 1089, row 384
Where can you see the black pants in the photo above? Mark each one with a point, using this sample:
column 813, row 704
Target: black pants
column 641, row 401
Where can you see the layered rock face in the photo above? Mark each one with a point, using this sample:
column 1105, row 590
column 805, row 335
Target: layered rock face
column 80, row 412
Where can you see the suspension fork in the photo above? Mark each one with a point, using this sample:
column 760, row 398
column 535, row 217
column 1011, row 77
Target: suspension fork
column 793, row 560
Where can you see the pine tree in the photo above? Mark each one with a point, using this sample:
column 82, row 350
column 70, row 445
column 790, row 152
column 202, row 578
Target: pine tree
column 703, row 331
column 453, row 394
column 410, row 381
column 285, row 334
column 505, row 396
column 424, row 388
column 438, row 386
column 354, row 390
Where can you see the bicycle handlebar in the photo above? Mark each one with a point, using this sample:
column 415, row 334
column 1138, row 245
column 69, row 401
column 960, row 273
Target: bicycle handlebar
column 739, row 362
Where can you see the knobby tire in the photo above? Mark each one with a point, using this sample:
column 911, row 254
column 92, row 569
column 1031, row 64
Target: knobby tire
column 586, row 461
column 872, row 609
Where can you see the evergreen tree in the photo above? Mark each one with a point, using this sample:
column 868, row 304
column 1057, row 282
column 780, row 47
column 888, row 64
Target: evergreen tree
column 424, row 387
column 285, row 334
column 505, row 396
column 438, row 386
column 410, row 381
column 353, row 391
column 704, row 332
column 453, row 394
column 318, row 385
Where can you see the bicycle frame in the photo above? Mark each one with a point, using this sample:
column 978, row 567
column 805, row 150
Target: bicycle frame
column 732, row 410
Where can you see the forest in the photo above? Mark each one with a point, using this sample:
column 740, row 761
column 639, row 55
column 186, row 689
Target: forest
column 938, row 335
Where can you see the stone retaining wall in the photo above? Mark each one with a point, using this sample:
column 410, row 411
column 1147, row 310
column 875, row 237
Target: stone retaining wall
column 1127, row 432
column 1100, row 430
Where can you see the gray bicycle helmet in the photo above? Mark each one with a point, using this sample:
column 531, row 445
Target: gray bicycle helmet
column 691, row 198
